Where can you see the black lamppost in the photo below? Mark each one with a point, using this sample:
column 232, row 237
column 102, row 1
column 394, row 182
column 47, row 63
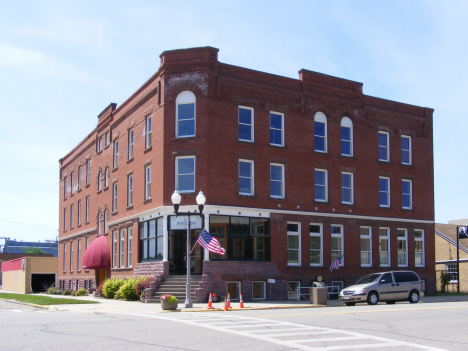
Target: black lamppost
column 176, row 198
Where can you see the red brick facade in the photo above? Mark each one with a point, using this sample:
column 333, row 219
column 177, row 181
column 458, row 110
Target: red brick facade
column 219, row 90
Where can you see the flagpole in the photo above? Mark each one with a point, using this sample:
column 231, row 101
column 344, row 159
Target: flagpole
column 458, row 262
column 196, row 242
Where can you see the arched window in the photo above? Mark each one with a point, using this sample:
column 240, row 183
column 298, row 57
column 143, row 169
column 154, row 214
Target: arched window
column 320, row 132
column 346, row 137
column 106, row 178
column 99, row 187
column 105, row 221
column 185, row 114
column 99, row 223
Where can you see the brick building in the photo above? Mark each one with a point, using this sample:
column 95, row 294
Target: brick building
column 296, row 173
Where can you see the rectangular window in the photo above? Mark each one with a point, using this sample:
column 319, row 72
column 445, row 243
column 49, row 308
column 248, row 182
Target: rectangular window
column 130, row 190
column 64, row 257
column 402, row 236
column 99, row 181
column 130, row 144
column 122, row 247
column 258, row 290
column 64, row 219
column 346, row 141
column 321, row 185
column 88, row 171
column 337, row 243
column 347, row 193
column 87, row 209
column 148, row 130
column 384, row 150
column 276, row 129
column 99, row 145
column 114, row 249
column 106, row 178
column 79, row 178
column 246, row 125
column 384, row 247
column 129, row 247
column 452, row 270
column 407, row 194
column 71, row 256
column 294, row 244
column 116, row 153
column 185, row 119
column 148, row 182
column 419, row 248
column 384, row 192
column 78, row 214
column 65, row 187
column 293, row 290
column 114, row 197
column 320, row 136
column 276, row 181
column 246, row 180
column 78, row 256
column 233, row 288
column 71, row 216
column 366, row 246
column 72, row 183
column 151, row 240
column 185, row 174
column 406, row 158
column 316, row 244
column 107, row 139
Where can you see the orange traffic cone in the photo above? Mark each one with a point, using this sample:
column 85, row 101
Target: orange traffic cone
column 229, row 301
column 225, row 304
column 241, row 302
column 210, row 302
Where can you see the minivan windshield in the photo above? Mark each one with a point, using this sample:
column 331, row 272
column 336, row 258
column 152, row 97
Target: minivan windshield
column 371, row 278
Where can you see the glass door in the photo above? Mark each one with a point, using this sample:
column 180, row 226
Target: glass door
column 178, row 253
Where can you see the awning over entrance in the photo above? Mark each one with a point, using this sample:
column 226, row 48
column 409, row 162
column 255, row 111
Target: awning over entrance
column 97, row 255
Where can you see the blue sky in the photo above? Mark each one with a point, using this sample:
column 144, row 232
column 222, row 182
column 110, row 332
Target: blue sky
column 62, row 63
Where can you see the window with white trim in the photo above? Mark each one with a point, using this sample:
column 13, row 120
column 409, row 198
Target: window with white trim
column 129, row 247
column 114, row 249
column 258, row 290
column 130, row 144
column 419, row 260
column 64, row 219
column 320, row 132
column 316, row 244
column 87, row 209
column 116, row 153
column 407, row 194
column 246, row 123
column 293, row 289
column 72, row 183
column 346, row 137
column 185, row 174
column 78, row 256
column 402, row 238
column 114, row 197
column 246, row 179
column 384, row 148
column 148, row 131
column 79, row 178
column 129, row 190
column 294, row 244
column 105, row 221
column 185, row 114
column 452, row 270
column 78, row 214
column 99, row 145
column 88, row 171
column 337, row 243
column 321, row 185
column 366, row 246
column 107, row 139
column 347, row 192
column 64, row 257
column 384, row 192
column 276, row 129
column 147, row 182
column 106, row 178
column 99, row 232
column 71, row 256
column 122, row 248
column 71, row 216
column 65, row 187
column 99, row 181
column 406, row 158
column 276, row 181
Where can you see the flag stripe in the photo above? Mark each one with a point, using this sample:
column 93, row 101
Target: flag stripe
column 207, row 241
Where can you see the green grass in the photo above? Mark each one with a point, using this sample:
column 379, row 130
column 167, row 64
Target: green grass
column 43, row 300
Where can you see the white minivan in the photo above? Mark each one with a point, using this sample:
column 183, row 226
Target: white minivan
column 386, row 286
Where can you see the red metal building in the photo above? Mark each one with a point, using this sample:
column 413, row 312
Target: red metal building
column 296, row 173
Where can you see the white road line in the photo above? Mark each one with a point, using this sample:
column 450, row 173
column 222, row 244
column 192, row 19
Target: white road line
column 373, row 341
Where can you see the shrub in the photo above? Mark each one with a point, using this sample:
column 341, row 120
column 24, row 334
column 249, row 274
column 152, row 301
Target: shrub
column 141, row 285
column 99, row 288
column 54, row 291
column 81, row 292
column 111, row 286
column 127, row 290
column 68, row 292
column 118, row 295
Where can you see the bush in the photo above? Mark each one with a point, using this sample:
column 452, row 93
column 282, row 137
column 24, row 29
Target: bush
column 127, row 290
column 99, row 288
column 118, row 295
column 54, row 291
column 81, row 292
column 111, row 286
column 142, row 284
column 68, row 292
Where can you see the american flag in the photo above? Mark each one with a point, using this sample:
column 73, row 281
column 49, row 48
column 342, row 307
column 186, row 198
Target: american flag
column 336, row 264
column 210, row 243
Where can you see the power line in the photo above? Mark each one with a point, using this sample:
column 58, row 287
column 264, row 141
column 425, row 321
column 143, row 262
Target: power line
column 28, row 225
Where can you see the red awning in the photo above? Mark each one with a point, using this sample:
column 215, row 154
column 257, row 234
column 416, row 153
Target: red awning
column 97, row 255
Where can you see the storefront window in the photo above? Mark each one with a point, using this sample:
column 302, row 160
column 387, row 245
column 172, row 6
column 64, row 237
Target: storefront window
column 151, row 240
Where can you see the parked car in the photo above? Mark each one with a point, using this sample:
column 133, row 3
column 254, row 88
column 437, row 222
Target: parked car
column 386, row 286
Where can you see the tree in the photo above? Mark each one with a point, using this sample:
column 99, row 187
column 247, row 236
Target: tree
column 33, row 250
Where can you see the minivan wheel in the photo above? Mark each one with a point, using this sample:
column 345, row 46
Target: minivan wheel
column 372, row 298
column 414, row 296
column 350, row 303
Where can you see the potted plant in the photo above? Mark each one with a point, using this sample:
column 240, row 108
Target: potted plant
column 214, row 298
column 168, row 302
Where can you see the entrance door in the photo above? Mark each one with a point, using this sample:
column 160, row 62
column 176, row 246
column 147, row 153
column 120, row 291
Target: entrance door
column 101, row 275
column 178, row 253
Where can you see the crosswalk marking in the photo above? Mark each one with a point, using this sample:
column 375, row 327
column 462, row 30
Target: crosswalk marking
column 315, row 338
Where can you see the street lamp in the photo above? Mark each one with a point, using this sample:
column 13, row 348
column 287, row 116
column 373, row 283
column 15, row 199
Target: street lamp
column 176, row 198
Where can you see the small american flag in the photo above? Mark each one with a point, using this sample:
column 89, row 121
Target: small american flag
column 210, row 243
column 336, row 264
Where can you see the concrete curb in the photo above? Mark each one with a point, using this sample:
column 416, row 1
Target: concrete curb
column 44, row 307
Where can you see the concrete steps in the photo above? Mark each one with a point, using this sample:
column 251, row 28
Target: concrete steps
column 175, row 285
